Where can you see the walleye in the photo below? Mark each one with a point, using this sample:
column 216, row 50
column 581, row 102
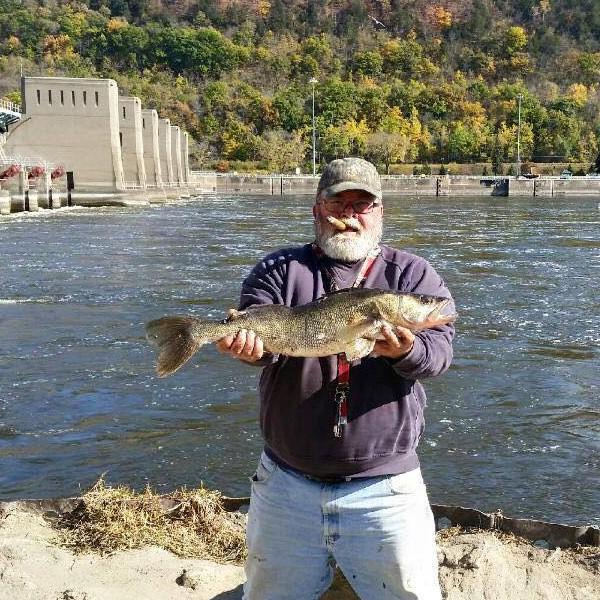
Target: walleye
column 348, row 321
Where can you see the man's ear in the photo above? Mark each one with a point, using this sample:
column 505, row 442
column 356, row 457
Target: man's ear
column 314, row 210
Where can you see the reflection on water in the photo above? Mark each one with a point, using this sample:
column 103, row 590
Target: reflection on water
column 514, row 425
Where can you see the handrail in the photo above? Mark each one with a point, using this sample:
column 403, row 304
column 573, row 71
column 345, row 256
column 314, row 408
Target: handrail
column 11, row 107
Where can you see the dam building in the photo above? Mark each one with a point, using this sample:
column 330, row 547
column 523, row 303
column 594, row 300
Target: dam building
column 113, row 149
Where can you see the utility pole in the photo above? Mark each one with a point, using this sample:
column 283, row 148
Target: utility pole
column 313, row 81
column 519, row 97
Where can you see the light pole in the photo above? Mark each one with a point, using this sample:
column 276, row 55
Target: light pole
column 519, row 97
column 313, row 81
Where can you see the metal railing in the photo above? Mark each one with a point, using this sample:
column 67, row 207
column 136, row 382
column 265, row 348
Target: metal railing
column 11, row 107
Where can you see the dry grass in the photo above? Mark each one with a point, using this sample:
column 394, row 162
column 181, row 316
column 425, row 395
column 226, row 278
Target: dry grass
column 189, row 523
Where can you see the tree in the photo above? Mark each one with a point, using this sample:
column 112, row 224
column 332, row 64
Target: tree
column 386, row 148
column 346, row 139
column 282, row 151
column 367, row 63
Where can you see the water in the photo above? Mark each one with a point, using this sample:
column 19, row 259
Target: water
column 514, row 425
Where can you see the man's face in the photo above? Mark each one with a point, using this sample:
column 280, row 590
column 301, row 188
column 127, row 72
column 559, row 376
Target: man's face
column 363, row 229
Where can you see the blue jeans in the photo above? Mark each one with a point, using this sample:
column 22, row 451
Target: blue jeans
column 380, row 531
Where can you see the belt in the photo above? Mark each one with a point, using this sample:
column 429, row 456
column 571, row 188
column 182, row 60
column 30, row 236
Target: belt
column 337, row 479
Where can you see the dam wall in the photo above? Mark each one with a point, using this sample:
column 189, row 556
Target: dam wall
column 73, row 122
column 151, row 150
column 164, row 147
column 185, row 156
column 132, row 143
column 455, row 186
column 176, row 155
column 99, row 148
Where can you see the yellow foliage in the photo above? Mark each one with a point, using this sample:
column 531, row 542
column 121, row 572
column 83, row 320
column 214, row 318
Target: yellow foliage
column 115, row 24
column 262, row 54
column 394, row 122
column 58, row 46
column 578, row 94
column 515, row 39
column 12, row 43
column 473, row 113
column 439, row 17
column 263, row 8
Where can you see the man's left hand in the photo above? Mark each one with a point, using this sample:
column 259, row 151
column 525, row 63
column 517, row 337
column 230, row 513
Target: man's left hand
column 397, row 343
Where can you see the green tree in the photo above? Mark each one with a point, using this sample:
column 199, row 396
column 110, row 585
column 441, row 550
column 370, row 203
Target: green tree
column 367, row 62
column 282, row 151
column 386, row 148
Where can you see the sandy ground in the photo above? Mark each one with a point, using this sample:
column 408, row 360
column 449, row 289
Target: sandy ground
column 473, row 566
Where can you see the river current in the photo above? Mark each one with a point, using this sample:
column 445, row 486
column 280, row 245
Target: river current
column 514, row 425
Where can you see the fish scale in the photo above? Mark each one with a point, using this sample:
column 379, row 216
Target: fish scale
column 347, row 321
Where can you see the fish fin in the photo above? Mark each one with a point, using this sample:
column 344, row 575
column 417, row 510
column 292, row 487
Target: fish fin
column 175, row 341
column 359, row 348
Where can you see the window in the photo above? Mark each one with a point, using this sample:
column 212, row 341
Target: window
column 73, row 97
column 49, row 96
column 39, row 96
column 124, row 112
column 121, row 138
column 97, row 96
column 143, row 123
column 62, row 97
column 85, row 98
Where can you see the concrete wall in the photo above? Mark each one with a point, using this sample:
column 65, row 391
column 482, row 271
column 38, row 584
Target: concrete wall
column 164, row 145
column 521, row 187
column 185, row 158
column 132, row 143
column 176, row 155
column 73, row 122
column 543, row 187
column 577, row 186
column 151, row 149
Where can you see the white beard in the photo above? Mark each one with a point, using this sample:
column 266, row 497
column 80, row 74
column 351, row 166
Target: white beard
column 347, row 247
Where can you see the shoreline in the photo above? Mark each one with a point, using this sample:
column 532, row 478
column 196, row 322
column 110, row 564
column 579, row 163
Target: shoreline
column 475, row 564
column 279, row 185
column 544, row 534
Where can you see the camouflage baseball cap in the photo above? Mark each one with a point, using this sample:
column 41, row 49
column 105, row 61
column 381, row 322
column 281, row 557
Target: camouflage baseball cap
column 349, row 174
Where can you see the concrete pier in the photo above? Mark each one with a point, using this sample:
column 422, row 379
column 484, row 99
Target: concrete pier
column 176, row 155
column 151, row 150
column 132, row 144
column 185, row 158
column 4, row 202
column 164, row 144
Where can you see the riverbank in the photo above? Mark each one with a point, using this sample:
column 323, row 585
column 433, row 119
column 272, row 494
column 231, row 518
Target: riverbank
column 474, row 565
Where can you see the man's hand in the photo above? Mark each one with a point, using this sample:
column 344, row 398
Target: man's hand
column 245, row 345
column 396, row 344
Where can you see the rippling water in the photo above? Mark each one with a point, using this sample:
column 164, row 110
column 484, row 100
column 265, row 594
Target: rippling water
column 514, row 425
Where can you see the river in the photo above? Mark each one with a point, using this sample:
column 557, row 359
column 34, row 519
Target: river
column 514, row 425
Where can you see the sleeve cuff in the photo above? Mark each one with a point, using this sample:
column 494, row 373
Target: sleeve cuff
column 412, row 360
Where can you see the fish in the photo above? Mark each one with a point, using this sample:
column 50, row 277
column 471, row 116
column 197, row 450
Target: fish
column 348, row 321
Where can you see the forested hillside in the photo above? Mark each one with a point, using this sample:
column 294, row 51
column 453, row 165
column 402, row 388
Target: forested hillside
column 396, row 80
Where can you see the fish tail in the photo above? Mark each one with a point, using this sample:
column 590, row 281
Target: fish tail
column 176, row 342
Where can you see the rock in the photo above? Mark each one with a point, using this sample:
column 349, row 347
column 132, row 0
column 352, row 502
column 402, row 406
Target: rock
column 190, row 579
column 73, row 595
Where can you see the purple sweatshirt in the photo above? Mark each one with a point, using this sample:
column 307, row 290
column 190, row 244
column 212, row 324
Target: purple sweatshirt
column 386, row 400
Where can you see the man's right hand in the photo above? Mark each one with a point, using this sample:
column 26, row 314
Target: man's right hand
column 244, row 345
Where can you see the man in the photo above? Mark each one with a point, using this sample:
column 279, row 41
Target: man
column 339, row 478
